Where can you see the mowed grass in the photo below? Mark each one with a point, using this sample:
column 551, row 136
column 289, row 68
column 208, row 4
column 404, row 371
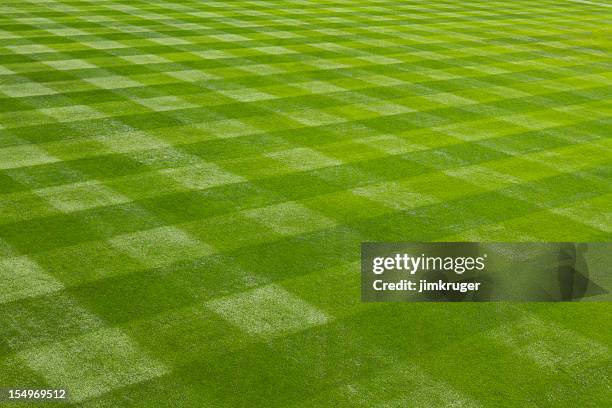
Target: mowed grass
column 184, row 186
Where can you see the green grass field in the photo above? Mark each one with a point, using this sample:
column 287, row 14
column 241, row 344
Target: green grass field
column 184, row 187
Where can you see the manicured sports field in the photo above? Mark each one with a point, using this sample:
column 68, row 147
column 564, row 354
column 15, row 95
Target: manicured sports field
column 184, row 187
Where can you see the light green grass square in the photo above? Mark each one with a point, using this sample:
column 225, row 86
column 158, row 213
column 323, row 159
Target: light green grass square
column 213, row 54
column 247, row 95
column 317, row 87
column 130, row 141
column 228, row 128
column 230, row 37
column 161, row 246
column 164, row 103
column 483, row 177
column 595, row 212
column 93, row 364
column 268, row 311
column 30, row 49
column 146, row 59
column 80, row 196
column 289, row 218
column 24, row 155
column 263, row 69
column 104, row 44
column 202, row 176
column 274, row 50
column 547, row 345
column 192, row 75
column 67, row 64
column 113, row 82
column 390, row 144
column 303, row 158
column 170, row 41
column 394, row 195
column 72, row 113
column 6, row 71
column 22, row 278
column 26, row 89
column 314, row 117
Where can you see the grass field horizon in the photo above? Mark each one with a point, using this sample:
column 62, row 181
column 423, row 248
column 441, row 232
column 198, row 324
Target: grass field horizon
column 185, row 185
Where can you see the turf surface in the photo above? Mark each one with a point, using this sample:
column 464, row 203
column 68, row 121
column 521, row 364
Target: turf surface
column 184, row 186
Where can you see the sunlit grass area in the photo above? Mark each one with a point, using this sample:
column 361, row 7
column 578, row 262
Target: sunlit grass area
column 184, row 187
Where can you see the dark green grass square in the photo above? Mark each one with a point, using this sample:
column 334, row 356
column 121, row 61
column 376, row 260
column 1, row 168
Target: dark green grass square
column 189, row 206
column 187, row 335
column 345, row 206
column 296, row 186
column 47, row 233
column 256, row 167
column 295, row 256
column 546, row 226
column 392, row 167
column 8, row 184
column 108, row 166
column 119, row 219
column 17, row 207
column 230, row 231
column 148, row 293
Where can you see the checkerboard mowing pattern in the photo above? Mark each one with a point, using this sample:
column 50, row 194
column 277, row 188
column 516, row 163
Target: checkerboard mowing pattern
column 184, row 186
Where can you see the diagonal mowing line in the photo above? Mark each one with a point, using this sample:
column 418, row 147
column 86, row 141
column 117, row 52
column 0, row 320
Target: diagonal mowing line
column 289, row 235
column 335, row 98
column 57, row 363
column 63, row 372
column 594, row 3
column 544, row 95
column 373, row 182
column 443, row 144
column 572, row 169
